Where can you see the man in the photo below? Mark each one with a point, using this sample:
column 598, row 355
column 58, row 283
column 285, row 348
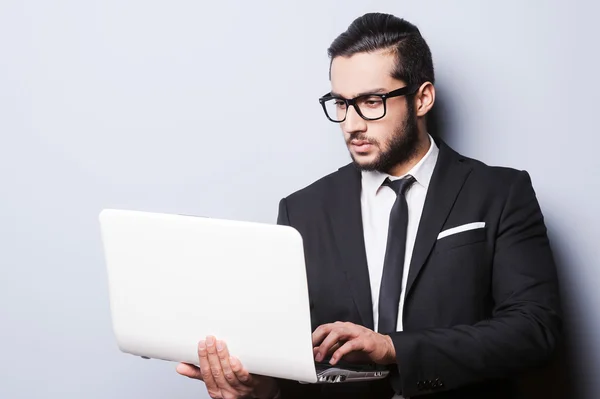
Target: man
column 417, row 257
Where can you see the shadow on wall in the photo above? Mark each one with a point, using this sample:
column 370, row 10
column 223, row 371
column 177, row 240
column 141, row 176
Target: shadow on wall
column 559, row 378
column 435, row 122
column 562, row 377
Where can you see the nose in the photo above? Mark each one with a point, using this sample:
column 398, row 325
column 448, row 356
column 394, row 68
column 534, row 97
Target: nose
column 354, row 123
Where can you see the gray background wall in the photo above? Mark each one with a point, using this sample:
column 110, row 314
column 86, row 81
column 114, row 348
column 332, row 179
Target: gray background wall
column 197, row 107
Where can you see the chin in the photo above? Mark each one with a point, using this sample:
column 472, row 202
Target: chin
column 368, row 163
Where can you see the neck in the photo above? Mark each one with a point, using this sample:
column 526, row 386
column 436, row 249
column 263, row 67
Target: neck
column 422, row 148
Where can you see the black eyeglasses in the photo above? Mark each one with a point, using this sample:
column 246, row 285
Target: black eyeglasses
column 369, row 106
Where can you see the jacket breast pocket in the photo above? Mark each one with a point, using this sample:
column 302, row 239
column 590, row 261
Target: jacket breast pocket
column 460, row 239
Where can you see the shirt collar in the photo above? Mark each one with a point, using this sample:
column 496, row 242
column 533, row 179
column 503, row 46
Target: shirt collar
column 422, row 171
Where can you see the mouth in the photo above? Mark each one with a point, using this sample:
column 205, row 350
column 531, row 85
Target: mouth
column 361, row 146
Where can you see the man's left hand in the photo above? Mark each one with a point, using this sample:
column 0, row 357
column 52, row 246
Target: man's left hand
column 355, row 343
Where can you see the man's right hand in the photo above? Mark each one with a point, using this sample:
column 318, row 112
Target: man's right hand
column 224, row 376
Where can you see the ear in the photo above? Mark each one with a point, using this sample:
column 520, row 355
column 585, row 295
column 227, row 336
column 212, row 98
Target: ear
column 424, row 99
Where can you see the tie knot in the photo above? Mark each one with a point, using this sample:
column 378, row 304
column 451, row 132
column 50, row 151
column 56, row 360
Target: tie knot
column 400, row 185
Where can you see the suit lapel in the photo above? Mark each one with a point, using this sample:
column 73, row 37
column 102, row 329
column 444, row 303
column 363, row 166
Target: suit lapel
column 446, row 182
column 347, row 228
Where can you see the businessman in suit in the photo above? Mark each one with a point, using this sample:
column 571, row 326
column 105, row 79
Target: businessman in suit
column 418, row 257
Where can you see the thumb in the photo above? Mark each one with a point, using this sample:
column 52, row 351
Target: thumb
column 189, row 370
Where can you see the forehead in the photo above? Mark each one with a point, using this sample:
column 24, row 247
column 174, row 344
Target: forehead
column 363, row 72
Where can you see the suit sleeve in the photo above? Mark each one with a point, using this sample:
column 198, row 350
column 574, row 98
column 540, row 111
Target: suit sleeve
column 282, row 215
column 525, row 325
column 292, row 389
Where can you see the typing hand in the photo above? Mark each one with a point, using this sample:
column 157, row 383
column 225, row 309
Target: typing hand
column 352, row 342
column 224, row 376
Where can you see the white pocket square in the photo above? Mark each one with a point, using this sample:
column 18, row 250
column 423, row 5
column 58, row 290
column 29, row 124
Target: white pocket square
column 460, row 229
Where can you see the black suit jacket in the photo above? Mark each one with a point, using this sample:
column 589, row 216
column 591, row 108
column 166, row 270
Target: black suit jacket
column 481, row 306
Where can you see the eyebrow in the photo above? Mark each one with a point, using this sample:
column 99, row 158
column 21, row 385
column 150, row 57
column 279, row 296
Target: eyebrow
column 374, row 91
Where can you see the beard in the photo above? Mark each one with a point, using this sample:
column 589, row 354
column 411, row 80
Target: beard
column 401, row 148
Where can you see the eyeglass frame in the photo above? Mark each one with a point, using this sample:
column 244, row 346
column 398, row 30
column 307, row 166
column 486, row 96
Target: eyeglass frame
column 403, row 91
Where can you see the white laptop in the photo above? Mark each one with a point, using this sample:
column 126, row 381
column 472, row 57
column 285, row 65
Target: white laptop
column 175, row 279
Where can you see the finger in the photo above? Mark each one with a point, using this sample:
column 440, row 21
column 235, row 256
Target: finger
column 353, row 345
column 205, row 371
column 189, row 370
column 240, row 372
column 337, row 334
column 215, row 364
column 223, row 353
column 321, row 332
column 329, row 352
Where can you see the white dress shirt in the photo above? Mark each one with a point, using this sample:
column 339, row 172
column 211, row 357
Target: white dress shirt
column 376, row 205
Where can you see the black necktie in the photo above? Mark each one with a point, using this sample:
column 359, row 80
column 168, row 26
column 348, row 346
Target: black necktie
column 391, row 280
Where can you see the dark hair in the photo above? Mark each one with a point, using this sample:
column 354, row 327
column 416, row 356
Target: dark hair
column 377, row 31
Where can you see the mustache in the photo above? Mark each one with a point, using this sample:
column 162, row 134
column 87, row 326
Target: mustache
column 361, row 137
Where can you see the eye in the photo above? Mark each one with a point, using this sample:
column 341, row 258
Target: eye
column 373, row 101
